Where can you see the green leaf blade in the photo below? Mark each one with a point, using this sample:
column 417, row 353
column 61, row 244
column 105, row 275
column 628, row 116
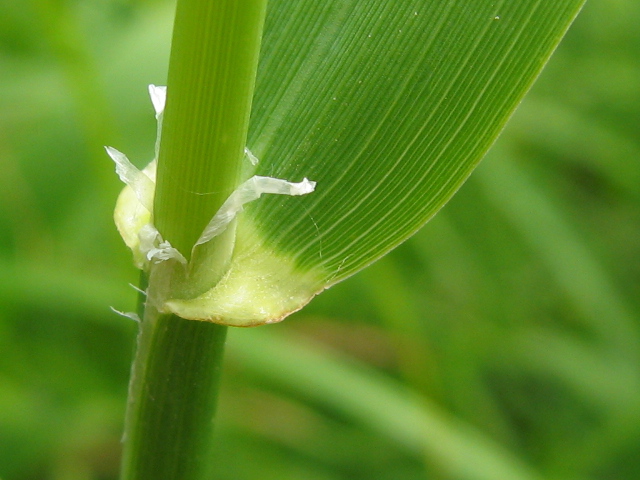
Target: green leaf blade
column 388, row 106
column 399, row 104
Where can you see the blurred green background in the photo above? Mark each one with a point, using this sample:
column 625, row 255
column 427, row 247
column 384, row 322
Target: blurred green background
column 511, row 320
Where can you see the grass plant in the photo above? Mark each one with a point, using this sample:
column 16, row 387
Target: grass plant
column 395, row 172
column 500, row 342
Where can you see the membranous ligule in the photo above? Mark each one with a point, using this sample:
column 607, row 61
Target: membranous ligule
column 258, row 286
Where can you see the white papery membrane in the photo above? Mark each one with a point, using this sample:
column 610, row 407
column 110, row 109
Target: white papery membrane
column 134, row 209
column 247, row 192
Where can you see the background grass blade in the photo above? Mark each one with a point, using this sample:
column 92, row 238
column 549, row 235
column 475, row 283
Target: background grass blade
column 379, row 403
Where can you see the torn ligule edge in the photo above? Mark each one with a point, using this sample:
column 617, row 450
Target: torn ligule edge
column 158, row 99
column 158, row 96
column 141, row 185
column 155, row 248
column 133, row 316
column 252, row 158
column 138, row 289
column 247, row 192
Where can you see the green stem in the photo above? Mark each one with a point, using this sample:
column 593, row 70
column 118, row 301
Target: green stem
column 174, row 384
column 214, row 57
column 173, row 397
